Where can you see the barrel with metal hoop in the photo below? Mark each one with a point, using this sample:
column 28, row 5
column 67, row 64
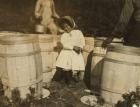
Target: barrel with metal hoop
column 97, row 62
column 21, row 65
column 121, row 72
column 47, row 44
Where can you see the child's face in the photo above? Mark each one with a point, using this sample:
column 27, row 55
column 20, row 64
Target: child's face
column 67, row 28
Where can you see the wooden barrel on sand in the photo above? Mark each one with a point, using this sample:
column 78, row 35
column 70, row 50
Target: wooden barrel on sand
column 97, row 62
column 121, row 72
column 21, row 65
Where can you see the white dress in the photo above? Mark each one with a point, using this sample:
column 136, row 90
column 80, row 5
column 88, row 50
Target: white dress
column 69, row 59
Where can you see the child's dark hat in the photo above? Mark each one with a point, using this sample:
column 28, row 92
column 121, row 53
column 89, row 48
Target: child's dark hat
column 68, row 20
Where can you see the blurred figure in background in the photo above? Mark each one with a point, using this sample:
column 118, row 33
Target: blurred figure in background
column 131, row 10
column 45, row 12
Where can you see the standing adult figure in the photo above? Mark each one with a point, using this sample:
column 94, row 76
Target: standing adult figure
column 131, row 10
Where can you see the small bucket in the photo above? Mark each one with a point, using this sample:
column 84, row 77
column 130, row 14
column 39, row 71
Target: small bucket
column 40, row 28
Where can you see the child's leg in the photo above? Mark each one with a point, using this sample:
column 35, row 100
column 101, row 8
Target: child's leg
column 81, row 75
column 74, row 72
column 75, row 75
column 68, row 77
column 58, row 76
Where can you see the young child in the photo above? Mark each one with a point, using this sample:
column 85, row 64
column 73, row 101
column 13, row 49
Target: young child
column 70, row 60
column 45, row 10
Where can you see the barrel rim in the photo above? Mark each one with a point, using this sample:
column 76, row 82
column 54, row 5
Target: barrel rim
column 45, row 38
column 129, row 50
column 5, row 55
column 21, row 39
column 121, row 62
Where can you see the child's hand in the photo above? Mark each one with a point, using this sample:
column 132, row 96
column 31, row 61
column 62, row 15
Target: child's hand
column 77, row 49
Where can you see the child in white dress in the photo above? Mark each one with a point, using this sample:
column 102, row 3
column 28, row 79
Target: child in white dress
column 70, row 60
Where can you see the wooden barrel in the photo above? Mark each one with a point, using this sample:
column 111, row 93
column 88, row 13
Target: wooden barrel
column 87, row 54
column 47, row 44
column 20, row 62
column 120, row 72
column 97, row 62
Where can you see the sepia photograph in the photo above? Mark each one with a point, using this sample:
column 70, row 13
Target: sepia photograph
column 69, row 53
